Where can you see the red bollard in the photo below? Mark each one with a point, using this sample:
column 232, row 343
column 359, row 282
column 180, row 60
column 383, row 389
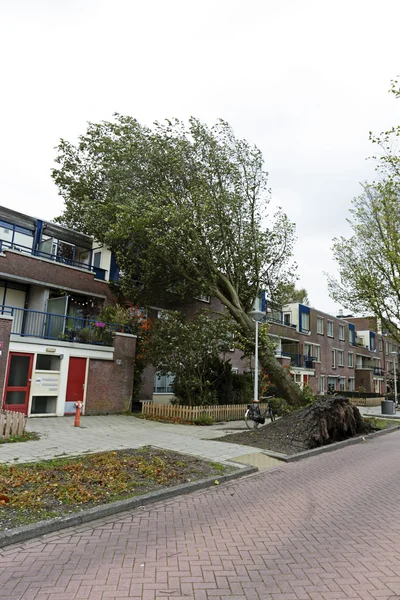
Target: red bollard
column 77, row 421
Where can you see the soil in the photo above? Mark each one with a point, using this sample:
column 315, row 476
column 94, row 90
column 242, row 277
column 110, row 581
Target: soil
column 278, row 438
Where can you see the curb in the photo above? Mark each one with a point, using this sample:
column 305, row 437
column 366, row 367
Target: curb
column 330, row 448
column 27, row 532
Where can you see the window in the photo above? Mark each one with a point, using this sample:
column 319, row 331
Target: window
column 286, row 319
column 321, row 385
column 351, row 384
column 320, row 325
column 341, row 332
column 333, row 359
column 305, row 322
column 330, row 329
column 317, row 353
column 97, row 259
column 17, row 237
column 47, row 362
column 342, row 383
column 350, row 360
column 380, row 345
column 163, row 383
column 331, row 385
column 340, row 355
column 308, row 350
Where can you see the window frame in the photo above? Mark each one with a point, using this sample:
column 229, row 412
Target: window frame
column 320, row 320
column 350, row 355
column 329, row 325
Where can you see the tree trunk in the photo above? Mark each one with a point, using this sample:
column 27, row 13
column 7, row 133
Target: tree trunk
column 226, row 292
column 280, row 377
column 330, row 419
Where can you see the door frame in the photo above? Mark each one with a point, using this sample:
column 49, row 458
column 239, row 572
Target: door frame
column 87, row 359
column 15, row 388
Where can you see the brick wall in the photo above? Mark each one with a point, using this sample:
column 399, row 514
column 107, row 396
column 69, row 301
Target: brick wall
column 32, row 269
column 110, row 383
column 5, row 331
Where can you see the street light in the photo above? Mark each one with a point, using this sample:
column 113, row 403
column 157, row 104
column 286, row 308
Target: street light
column 395, row 378
column 257, row 316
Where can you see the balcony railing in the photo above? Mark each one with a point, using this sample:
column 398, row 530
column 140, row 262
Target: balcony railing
column 276, row 320
column 378, row 371
column 32, row 323
column 300, row 360
column 98, row 273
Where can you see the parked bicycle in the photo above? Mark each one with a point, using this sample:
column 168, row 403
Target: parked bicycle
column 254, row 417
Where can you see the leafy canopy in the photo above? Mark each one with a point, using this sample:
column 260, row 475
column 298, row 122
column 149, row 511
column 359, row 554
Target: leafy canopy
column 183, row 208
column 369, row 260
column 189, row 348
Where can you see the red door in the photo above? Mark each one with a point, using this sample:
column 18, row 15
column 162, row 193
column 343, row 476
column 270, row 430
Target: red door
column 18, row 382
column 75, row 383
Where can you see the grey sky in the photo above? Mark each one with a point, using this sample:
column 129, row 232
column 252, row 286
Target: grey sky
column 305, row 81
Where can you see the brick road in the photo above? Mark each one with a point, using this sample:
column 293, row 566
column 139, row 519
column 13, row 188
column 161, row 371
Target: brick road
column 324, row 528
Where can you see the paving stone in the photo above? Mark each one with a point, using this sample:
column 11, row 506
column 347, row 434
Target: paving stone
column 324, row 528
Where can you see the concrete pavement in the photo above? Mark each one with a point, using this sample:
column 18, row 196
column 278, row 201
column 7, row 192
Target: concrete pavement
column 325, row 528
column 59, row 437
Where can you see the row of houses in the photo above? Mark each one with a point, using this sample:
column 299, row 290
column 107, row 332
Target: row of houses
column 54, row 351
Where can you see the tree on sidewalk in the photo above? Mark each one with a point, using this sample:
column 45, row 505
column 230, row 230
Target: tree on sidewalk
column 184, row 208
column 369, row 260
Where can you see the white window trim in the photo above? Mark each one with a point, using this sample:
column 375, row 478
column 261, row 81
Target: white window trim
column 319, row 319
column 327, row 329
column 350, row 366
column 318, row 352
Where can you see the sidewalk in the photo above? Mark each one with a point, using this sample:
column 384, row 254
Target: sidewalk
column 375, row 411
column 59, row 437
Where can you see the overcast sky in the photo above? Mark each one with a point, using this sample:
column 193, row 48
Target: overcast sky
column 303, row 80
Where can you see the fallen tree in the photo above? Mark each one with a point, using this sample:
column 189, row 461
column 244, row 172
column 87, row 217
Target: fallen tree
column 328, row 420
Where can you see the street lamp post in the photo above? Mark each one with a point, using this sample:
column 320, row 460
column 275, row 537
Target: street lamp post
column 395, row 377
column 257, row 316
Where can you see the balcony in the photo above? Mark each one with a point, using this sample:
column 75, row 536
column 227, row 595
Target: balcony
column 276, row 320
column 35, row 324
column 366, row 364
column 300, row 360
column 98, row 273
column 378, row 371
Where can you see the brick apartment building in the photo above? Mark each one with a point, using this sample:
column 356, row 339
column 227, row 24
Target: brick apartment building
column 53, row 283
column 53, row 352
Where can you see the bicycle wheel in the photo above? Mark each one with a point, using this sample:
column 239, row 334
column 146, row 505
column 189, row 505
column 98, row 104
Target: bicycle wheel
column 271, row 415
column 249, row 420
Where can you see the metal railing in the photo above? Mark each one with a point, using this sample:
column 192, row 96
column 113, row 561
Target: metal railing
column 300, row 360
column 50, row 326
column 280, row 321
column 99, row 273
column 378, row 371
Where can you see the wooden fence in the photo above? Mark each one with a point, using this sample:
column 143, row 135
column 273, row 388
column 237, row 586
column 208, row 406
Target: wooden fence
column 228, row 412
column 11, row 423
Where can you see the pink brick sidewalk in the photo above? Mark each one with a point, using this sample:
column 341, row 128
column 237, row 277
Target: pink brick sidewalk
column 326, row 528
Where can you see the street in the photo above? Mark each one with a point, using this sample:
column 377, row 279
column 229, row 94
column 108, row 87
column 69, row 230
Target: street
column 323, row 528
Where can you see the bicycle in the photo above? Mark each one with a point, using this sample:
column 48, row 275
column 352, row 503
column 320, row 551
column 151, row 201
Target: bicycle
column 253, row 416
